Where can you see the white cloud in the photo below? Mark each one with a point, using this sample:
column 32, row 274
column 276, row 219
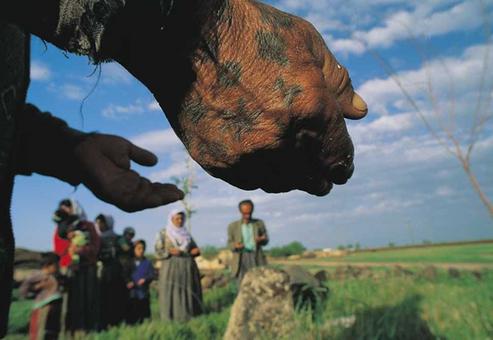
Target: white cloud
column 72, row 92
column 154, row 106
column 360, row 24
column 158, row 140
column 463, row 73
column 40, row 71
column 444, row 191
column 174, row 170
column 122, row 112
column 114, row 73
column 382, row 126
column 422, row 21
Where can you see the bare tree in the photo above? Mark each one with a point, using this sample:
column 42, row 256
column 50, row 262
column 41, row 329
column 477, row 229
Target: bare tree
column 457, row 143
column 187, row 184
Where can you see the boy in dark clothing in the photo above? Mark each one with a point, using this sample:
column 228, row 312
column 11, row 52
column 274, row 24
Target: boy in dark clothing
column 142, row 275
column 44, row 287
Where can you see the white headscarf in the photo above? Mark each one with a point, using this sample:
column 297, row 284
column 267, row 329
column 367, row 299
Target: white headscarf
column 179, row 236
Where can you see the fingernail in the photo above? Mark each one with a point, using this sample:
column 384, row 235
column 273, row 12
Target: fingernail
column 359, row 104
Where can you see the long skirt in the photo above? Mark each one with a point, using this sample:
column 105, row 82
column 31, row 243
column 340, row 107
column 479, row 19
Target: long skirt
column 180, row 292
column 45, row 321
column 138, row 310
column 113, row 295
column 248, row 260
column 83, row 306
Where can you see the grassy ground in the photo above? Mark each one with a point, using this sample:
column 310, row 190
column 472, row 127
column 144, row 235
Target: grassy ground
column 468, row 253
column 406, row 307
column 383, row 307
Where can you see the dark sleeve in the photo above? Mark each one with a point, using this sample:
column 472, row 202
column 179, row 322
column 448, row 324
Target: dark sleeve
column 263, row 232
column 231, row 240
column 150, row 273
column 45, row 145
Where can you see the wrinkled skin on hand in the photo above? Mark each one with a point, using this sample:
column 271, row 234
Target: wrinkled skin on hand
column 259, row 102
column 105, row 162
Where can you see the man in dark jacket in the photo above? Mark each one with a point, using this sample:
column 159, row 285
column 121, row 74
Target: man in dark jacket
column 246, row 237
column 205, row 61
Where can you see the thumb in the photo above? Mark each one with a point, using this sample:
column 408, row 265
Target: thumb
column 339, row 83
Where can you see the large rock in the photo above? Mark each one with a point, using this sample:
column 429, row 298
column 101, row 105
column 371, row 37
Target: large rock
column 226, row 257
column 213, row 264
column 263, row 308
column 308, row 291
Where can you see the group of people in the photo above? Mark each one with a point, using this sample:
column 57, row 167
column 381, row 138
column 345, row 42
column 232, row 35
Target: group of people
column 96, row 278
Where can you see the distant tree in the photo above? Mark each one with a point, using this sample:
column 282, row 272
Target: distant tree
column 293, row 248
column 187, row 184
column 391, row 244
column 341, row 247
column 442, row 123
column 209, row 252
column 357, row 246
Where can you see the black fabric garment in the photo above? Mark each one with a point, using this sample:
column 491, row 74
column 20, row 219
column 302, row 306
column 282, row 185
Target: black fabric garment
column 125, row 254
column 14, row 80
column 138, row 310
column 113, row 294
column 83, row 306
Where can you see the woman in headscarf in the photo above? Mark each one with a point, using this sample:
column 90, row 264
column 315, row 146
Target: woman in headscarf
column 61, row 245
column 82, row 306
column 180, row 292
column 113, row 294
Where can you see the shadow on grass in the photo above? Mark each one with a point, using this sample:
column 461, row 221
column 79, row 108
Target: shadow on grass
column 402, row 322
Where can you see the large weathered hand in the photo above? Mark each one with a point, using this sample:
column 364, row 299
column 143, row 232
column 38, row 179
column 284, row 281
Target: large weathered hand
column 105, row 162
column 258, row 100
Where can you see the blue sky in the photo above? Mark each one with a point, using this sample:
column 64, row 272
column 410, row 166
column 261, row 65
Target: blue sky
column 406, row 187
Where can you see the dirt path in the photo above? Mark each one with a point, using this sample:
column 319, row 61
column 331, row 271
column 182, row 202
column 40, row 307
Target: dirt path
column 322, row 263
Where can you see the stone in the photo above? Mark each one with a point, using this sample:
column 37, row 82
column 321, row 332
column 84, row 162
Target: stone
column 207, row 282
column 264, row 307
column 322, row 275
column 307, row 290
column 308, row 255
column 453, row 272
column 225, row 256
column 205, row 264
column 429, row 273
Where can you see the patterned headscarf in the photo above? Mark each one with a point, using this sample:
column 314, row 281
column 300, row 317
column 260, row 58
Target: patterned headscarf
column 78, row 210
column 179, row 236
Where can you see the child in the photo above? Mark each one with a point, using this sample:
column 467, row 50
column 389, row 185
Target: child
column 43, row 286
column 142, row 275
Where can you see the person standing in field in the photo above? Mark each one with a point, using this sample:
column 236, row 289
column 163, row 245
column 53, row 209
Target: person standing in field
column 246, row 237
column 113, row 293
column 44, row 287
column 180, row 291
column 139, row 307
column 82, row 312
column 61, row 246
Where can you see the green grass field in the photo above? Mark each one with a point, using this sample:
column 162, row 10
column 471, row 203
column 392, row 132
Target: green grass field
column 467, row 253
column 383, row 307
